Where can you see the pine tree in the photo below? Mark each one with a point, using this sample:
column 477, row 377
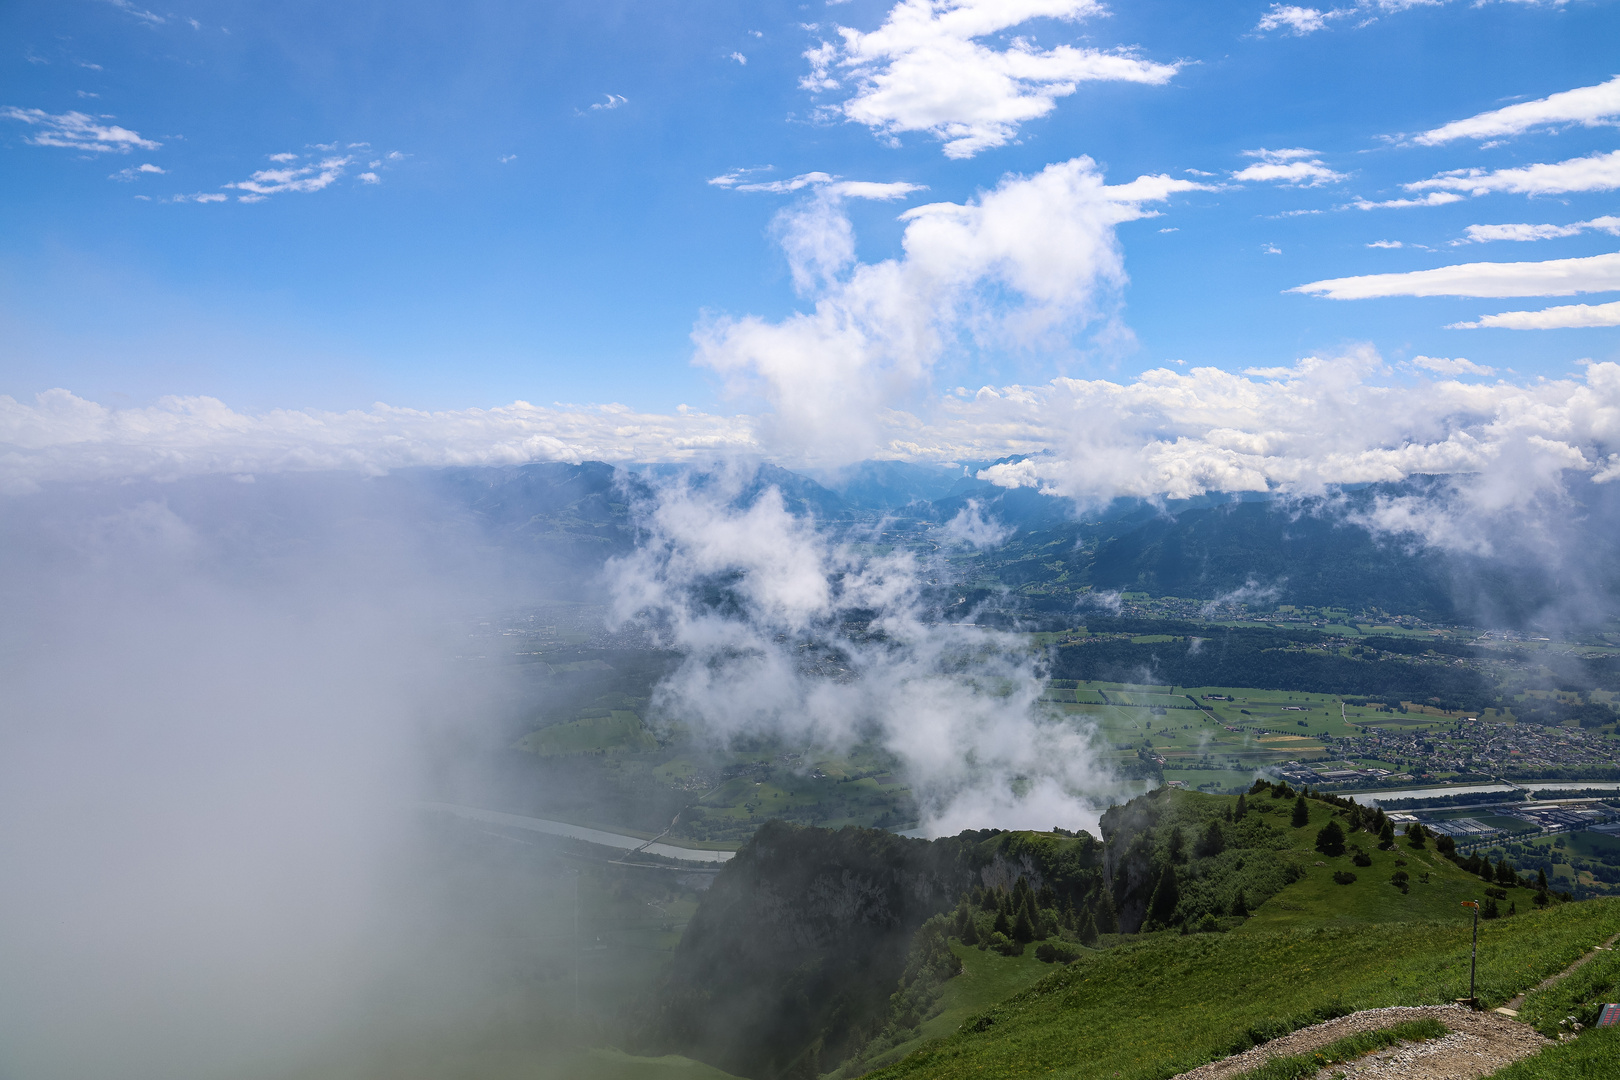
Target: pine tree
column 1330, row 839
column 1001, row 925
column 1023, row 929
column 1178, row 843
column 1213, row 842
column 1240, row 809
column 1107, row 918
column 1541, row 879
column 1302, row 813
column 1240, row 905
column 1415, row 834
column 970, row 933
column 1378, row 821
column 1505, row 874
column 1162, row 908
column 1355, row 816
column 1386, row 835
column 1088, row 930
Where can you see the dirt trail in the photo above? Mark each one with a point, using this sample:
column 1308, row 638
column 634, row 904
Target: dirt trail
column 1479, row 1044
column 1544, row 983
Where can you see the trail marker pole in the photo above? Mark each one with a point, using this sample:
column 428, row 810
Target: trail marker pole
column 1473, row 958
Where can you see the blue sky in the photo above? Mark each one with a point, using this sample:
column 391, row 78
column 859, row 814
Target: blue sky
column 479, row 203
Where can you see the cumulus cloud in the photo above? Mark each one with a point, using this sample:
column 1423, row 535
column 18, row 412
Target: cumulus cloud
column 1482, row 234
column 1597, row 172
column 1386, row 244
column 77, row 131
column 772, row 661
column 926, row 70
column 1554, row 277
column 1045, row 241
column 1567, row 316
column 1588, row 106
column 1299, row 167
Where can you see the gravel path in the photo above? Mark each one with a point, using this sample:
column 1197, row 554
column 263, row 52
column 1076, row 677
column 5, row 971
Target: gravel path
column 1480, row 1044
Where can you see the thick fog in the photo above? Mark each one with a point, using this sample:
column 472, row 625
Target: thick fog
column 220, row 703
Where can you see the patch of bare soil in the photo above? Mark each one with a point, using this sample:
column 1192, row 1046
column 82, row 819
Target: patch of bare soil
column 1479, row 1044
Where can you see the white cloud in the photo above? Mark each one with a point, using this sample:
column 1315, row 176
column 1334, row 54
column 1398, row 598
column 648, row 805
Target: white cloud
column 1271, row 249
column 1447, row 365
column 613, row 101
column 506, row 159
column 1167, row 433
column 1298, row 167
column 925, row 70
column 1565, row 317
column 739, row 57
column 1588, row 106
column 77, row 131
column 136, row 172
column 1434, row 198
column 1297, row 20
column 1014, row 266
column 1598, row 172
column 62, row 437
column 971, row 739
column 369, row 178
column 283, row 158
column 1482, row 234
column 820, row 181
column 312, row 176
column 1386, row 244
column 135, row 11
column 1555, row 277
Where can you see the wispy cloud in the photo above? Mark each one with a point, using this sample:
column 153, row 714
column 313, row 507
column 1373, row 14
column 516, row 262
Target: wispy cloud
column 1386, row 244
column 1450, row 365
column 136, row 172
column 1434, row 198
column 925, row 70
column 1597, row 172
column 739, row 57
column 1483, row 234
column 311, row 176
column 1588, row 106
column 1565, row 317
column 613, row 101
column 820, row 181
column 138, row 13
column 1299, row 167
column 1555, row 277
column 77, row 131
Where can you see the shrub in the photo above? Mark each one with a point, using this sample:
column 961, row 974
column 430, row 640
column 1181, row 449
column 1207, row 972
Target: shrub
column 1048, row 952
column 1360, row 857
column 1343, row 877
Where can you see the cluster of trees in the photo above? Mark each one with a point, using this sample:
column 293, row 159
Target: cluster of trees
column 1008, row 920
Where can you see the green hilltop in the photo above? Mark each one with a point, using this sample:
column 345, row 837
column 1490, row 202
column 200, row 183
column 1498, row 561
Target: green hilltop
column 1196, row 928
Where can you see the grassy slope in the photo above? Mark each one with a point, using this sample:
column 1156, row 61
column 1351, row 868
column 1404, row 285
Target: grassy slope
column 987, row 977
column 1316, row 900
column 1593, row 1056
column 1168, row 1003
column 1165, row 1002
